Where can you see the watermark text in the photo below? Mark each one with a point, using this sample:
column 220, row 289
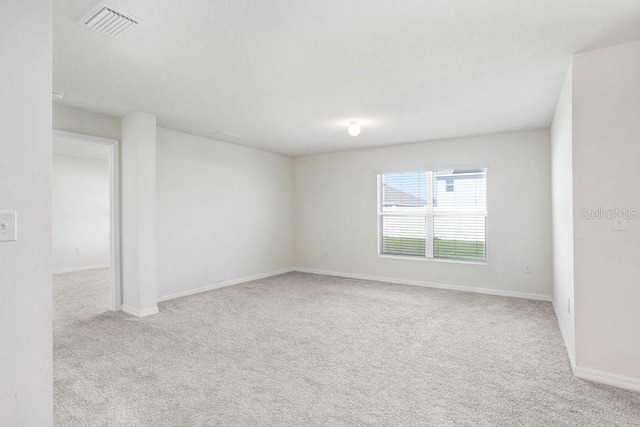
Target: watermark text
column 600, row 213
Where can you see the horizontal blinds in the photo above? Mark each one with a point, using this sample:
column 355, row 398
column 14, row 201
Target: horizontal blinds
column 460, row 237
column 460, row 190
column 404, row 192
column 459, row 208
column 440, row 214
column 404, row 235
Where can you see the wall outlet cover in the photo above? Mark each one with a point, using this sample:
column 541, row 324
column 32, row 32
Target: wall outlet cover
column 619, row 224
column 8, row 226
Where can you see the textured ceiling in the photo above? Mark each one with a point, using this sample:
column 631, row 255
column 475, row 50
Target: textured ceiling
column 289, row 75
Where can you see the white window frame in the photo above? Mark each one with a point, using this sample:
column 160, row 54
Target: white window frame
column 429, row 214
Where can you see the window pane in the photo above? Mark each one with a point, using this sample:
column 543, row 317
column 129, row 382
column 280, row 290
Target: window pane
column 404, row 235
column 460, row 237
column 404, row 192
column 460, row 190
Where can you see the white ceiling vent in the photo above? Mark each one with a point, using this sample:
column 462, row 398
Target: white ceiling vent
column 224, row 136
column 108, row 20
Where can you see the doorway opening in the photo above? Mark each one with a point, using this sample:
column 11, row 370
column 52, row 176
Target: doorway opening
column 86, row 222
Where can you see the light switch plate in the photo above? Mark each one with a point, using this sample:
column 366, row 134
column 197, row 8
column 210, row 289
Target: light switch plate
column 8, row 227
column 619, row 224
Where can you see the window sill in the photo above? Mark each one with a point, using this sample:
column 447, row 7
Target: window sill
column 444, row 260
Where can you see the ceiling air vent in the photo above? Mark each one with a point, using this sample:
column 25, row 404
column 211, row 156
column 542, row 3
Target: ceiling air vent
column 224, row 136
column 108, row 20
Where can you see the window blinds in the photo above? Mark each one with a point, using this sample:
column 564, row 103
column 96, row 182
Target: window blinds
column 433, row 214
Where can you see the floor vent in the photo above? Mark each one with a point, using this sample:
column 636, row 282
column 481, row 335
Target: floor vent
column 224, row 136
column 108, row 20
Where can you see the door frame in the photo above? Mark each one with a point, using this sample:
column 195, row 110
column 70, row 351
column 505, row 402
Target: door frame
column 114, row 206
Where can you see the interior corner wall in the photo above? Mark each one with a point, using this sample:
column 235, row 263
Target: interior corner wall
column 606, row 158
column 26, row 390
column 80, row 213
column 77, row 120
column 562, row 214
column 336, row 218
column 224, row 213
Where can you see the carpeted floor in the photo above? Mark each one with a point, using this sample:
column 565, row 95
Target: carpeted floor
column 309, row 350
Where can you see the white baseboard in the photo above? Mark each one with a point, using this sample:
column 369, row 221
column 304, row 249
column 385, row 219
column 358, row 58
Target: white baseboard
column 223, row 284
column 497, row 292
column 140, row 313
column 73, row 269
column 487, row 291
column 607, row 378
column 565, row 338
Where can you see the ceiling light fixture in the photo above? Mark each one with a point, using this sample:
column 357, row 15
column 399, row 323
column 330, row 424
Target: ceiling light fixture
column 354, row 129
column 56, row 96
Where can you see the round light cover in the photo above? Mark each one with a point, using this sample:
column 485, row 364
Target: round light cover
column 354, row 129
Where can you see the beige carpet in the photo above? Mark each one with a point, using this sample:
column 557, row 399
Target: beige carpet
column 308, row 350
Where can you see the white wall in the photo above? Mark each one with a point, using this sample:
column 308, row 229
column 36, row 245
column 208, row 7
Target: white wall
column 562, row 213
column 26, row 397
column 86, row 122
column 139, row 247
column 335, row 210
column 606, row 169
column 80, row 212
column 224, row 212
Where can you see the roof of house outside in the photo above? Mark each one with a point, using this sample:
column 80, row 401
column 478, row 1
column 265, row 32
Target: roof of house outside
column 397, row 197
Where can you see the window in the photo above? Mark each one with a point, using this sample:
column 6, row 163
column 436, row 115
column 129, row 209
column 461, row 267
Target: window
column 450, row 185
column 433, row 214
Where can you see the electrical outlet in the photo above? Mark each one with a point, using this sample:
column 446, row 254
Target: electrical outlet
column 8, row 226
column 569, row 305
column 78, row 249
column 527, row 268
column 326, row 252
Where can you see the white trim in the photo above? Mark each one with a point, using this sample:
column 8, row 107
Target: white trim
column 430, row 218
column 114, row 205
column 565, row 338
column 86, row 267
column 81, row 137
column 608, row 378
column 498, row 292
column 114, row 172
column 140, row 313
column 436, row 166
column 224, row 284
column 445, row 260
